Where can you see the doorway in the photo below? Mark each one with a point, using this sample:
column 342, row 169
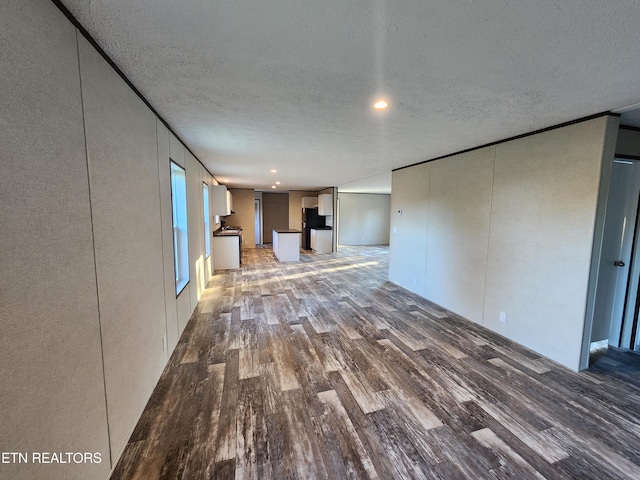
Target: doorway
column 257, row 219
column 616, row 308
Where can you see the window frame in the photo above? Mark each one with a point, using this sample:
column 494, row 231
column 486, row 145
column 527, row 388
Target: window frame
column 206, row 199
column 179, row 223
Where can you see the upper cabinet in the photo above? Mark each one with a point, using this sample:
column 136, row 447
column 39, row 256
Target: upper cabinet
column 221, row 200
column 325, row 204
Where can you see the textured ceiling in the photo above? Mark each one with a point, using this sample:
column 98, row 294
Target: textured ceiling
column 252, row 85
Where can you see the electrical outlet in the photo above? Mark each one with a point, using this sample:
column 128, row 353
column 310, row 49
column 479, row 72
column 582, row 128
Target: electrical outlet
column 503, row 317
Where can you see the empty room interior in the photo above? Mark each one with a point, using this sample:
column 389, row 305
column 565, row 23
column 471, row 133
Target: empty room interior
column 301, row 240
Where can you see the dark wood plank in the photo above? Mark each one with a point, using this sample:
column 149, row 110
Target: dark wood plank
column 324, row 369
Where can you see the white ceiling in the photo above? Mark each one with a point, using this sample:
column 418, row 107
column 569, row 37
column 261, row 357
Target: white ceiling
column 251, row 85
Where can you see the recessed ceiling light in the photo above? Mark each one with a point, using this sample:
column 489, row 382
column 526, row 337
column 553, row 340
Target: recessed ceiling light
column 273, row 186
column 273, row 170
column 277, row 183
column 380, row 104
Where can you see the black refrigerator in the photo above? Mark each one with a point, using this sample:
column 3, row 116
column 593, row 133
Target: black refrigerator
column 310, row 219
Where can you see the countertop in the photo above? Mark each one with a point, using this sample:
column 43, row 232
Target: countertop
column 227, row 233
column 321, row 228
column 285, row 230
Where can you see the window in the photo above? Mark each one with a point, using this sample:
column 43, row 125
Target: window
column 207, row 232
column 180, row 234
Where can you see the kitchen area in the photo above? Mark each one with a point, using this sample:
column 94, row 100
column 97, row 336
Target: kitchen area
column 317, row 223
column 290, row 222
column 227, row 240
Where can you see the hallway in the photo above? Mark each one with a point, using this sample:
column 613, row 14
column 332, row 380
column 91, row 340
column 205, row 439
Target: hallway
column 323, row 369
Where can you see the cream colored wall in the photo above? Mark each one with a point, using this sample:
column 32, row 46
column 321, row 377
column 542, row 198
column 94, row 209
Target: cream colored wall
column 538, row 208
column 88, row 291
column 408, row 240
column 195, row 223
column 363, row 219
column 164, row 182
column 52, row 396
column 123, row 172
column 542, row 226
column 244, row 206
column 459, row 211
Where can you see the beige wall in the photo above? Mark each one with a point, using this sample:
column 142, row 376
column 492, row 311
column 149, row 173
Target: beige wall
column 123, row 172
column 164, row 180
column 459, row 210
column 529, row 207
column 88, row 287
column 275, row 211
column 244, row 206
column 363, row 219
column 409, row 227
column 52, row 396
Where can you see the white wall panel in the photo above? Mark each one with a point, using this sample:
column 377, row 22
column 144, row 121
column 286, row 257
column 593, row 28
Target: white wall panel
column 208, row 262
column 459, row 211
column 123, row 169
column 539, row 216
column 176, row 150
column 542, row 225
column 196, row 228
column 408, row 242
column 164, row 181
column 52, row 396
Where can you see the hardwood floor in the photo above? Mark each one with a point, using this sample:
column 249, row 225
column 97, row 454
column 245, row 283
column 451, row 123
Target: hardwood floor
column 323, row 369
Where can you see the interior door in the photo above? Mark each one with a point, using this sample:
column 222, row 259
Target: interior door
column 620, row 225
column 257, row 219
column 629, row 329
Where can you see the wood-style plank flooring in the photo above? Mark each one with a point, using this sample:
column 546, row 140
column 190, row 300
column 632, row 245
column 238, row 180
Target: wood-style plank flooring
column 324, row 370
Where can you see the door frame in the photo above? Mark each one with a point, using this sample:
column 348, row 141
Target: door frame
column 597, row 253
column 257, row 221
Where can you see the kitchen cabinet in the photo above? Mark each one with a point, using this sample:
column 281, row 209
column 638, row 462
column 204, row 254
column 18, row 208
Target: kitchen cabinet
column 321, row 240
column 226, row 250
column 221, row 200
column 325, row 204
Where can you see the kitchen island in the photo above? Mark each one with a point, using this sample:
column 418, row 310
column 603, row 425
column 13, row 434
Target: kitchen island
column 286, row 244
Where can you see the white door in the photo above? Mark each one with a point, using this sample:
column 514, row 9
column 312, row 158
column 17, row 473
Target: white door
column 613, row 278
column 257, row 220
